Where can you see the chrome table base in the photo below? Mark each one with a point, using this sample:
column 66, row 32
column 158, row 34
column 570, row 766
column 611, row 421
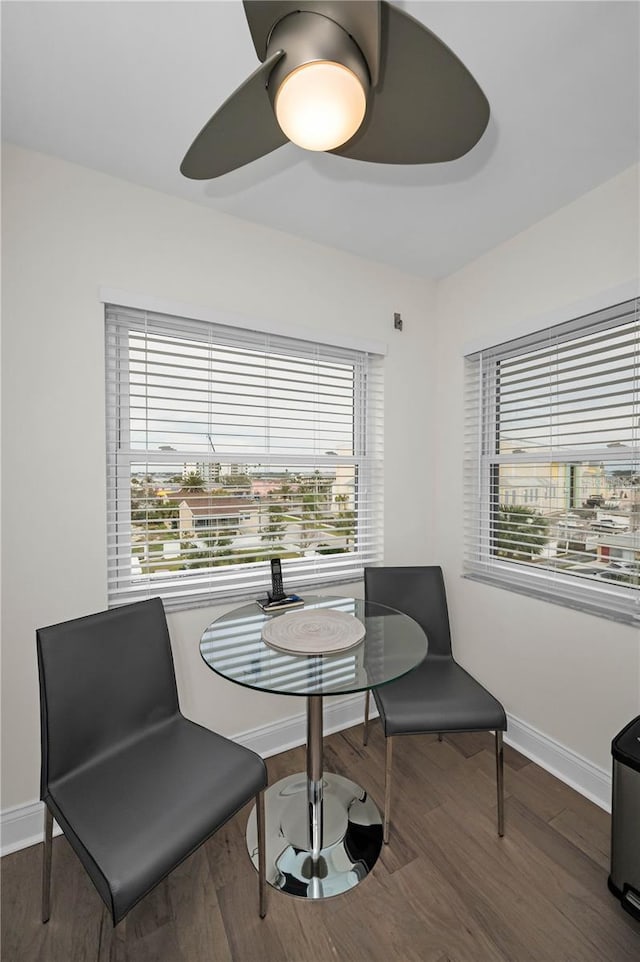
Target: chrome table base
column 351, row 830
column 323, row 832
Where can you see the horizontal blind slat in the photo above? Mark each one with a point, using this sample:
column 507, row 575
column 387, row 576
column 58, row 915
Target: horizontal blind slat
column 552, row 464
column 194, row 399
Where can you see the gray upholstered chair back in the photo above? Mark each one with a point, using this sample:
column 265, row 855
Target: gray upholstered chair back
column 103, row 655
column 134, row 785
column 419, row 592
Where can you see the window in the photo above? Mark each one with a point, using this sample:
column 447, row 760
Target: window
column 227, row 447
column 552, row 464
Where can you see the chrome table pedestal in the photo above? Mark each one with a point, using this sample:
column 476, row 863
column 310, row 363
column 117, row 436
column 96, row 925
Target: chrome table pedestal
column 323, row 832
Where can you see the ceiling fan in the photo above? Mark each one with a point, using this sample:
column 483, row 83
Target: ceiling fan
column 358, row 78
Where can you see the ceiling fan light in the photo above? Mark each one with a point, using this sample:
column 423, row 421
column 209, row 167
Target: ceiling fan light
column 320, row 105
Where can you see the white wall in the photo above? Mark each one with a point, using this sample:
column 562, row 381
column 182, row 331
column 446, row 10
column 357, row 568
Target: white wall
column 67, row 231
column 572, row 676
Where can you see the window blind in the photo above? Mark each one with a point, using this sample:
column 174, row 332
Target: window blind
column 227, row 447
column 552, row 463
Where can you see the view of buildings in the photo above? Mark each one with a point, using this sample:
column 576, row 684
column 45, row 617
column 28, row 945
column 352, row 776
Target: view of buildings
column 582, row 517
column 213, row 514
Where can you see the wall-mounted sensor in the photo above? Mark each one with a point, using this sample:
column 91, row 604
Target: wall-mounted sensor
column 397, row 322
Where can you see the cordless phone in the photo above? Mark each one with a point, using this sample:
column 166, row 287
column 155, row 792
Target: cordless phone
column 277, row 589
column 277, row 599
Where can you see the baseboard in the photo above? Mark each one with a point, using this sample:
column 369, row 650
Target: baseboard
column 573, row 769
column 22, row 825
column 290, row 732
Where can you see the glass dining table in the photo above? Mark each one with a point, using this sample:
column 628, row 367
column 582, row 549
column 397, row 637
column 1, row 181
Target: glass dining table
column 323, row 832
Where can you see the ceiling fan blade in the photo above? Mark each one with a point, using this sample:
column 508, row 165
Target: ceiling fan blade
column 427, row 107
column 241, row 130
column 359, row 18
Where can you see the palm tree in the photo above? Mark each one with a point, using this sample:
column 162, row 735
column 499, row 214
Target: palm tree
column 193, row 482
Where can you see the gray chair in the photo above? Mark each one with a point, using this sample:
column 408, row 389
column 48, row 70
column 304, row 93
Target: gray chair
column 134, row 785
column 438, row 696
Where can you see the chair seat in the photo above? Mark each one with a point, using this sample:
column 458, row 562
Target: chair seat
column 438, row 696
column 138, row 812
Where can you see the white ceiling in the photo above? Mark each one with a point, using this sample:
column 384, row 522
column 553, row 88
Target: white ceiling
column 123, row 87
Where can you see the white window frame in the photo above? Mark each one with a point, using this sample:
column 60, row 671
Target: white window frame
column 193, row 588
column 616, row 602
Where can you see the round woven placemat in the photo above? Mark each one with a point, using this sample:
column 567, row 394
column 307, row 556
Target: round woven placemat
column 313, row 631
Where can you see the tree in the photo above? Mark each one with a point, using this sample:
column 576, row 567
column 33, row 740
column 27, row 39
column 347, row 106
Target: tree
column 312, row 506
column 240, row 481
column 167, row 510
column 193, row 482
column 274, row 529
column 285, row 491
column 215, row 548
column 309, row 515
column 345, row 519
column 345, row 525
column 154, row 512
column 520, row 532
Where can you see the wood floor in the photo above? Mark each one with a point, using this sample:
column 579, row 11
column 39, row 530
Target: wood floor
column 446, row 888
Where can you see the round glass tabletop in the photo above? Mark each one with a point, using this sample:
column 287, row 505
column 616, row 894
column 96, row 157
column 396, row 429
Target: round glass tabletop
column 393, row 644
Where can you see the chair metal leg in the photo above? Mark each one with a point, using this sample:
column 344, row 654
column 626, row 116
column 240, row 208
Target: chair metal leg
column 439, row 736
column 387, row 790
column 500, row 782
column 365, row 734
column 46, row 862
column 262, row 905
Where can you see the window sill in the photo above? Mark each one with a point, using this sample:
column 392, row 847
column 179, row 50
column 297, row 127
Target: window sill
column 586, row 599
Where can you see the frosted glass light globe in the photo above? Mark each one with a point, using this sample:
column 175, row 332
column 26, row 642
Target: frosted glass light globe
column 320, row 105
